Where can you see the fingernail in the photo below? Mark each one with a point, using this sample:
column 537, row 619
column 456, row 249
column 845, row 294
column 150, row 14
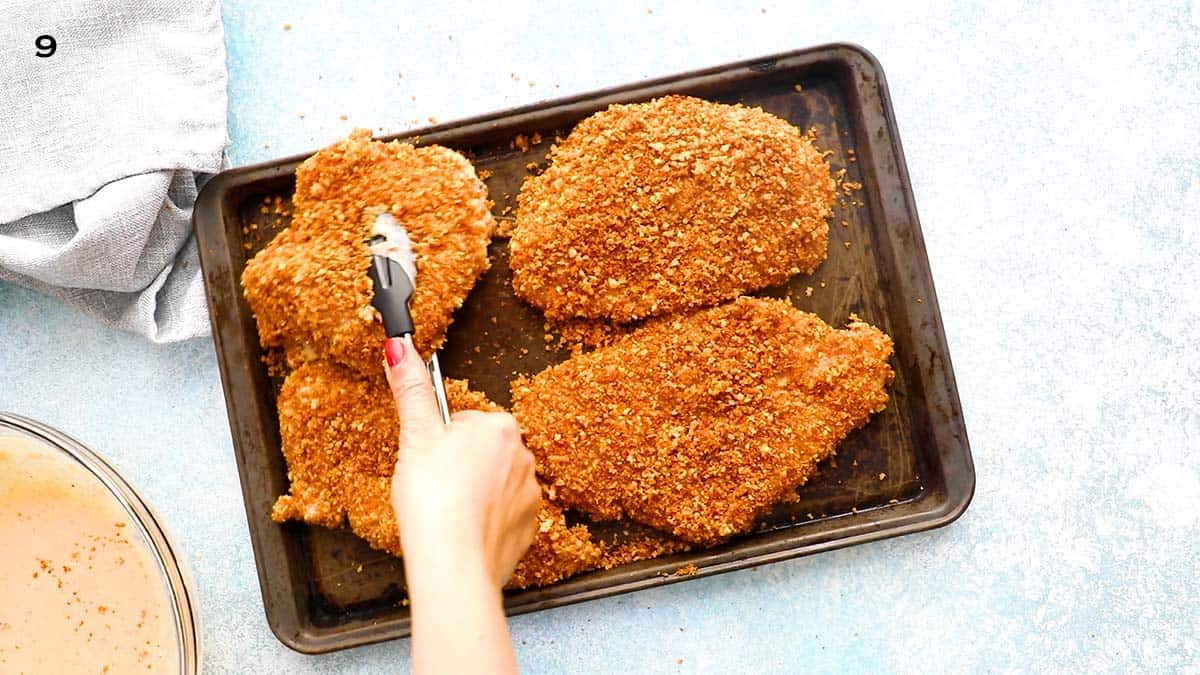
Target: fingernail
column 393, row 349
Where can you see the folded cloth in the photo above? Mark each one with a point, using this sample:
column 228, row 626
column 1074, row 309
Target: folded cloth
column 100, row 146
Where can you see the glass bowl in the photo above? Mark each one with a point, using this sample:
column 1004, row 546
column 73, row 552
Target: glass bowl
column 171, row 569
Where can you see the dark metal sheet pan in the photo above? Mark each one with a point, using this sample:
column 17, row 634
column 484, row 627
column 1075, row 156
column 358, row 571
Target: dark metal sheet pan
column 908, row 470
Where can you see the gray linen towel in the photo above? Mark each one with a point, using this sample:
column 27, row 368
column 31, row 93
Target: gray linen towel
column 100, row 145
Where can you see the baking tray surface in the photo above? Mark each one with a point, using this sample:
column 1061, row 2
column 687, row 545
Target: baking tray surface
column 908, row 470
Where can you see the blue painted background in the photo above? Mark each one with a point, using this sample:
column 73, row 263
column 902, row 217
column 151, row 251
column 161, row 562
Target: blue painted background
column 1055, row 157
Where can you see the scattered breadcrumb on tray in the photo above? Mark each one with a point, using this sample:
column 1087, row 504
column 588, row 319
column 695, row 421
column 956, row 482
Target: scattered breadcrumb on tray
column 686, row 571
column 524, row 142
column 504, row 229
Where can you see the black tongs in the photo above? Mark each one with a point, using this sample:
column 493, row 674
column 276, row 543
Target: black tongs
column 393, row 290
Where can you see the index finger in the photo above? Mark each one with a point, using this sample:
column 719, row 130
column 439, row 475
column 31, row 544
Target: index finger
column 412, row 390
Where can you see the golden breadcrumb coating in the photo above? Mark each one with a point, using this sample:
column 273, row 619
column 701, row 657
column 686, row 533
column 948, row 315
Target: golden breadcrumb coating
column 557, row 552
column 339, row 433
column 309, row 288
column 678, row 203
column 698, row 425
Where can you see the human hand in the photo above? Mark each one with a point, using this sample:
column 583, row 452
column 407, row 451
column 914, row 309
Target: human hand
column 464, row 493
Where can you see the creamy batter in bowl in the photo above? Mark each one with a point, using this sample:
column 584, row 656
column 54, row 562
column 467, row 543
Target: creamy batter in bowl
column 91, row 581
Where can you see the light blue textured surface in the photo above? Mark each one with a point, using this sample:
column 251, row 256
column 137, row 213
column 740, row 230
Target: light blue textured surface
column 1055, row 157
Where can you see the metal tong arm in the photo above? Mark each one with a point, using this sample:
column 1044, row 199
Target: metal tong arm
column 439, row 387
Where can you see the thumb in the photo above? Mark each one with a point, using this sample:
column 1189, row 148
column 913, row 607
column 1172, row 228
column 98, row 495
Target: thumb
column 409, row 380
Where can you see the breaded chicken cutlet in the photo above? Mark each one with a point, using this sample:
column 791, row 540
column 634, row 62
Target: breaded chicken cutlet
column 339, row 434
column 652, row 208
column 309, row 288
column 336, row 430
column 698, row 425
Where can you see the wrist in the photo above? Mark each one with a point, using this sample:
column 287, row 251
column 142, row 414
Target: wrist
column 446, row 549
column 437, row 578
column 457, row 612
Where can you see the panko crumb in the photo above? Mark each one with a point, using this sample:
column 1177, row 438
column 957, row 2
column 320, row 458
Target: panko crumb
column 522, row 142
column 686, row 571
column 651, row 208
column 275, row 362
